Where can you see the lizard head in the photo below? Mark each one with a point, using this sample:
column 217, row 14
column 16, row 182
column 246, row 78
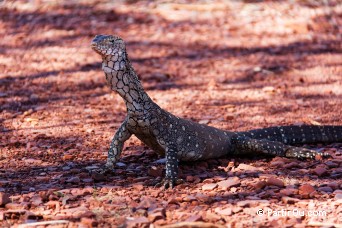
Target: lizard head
column 108, row 45
column 113, row 52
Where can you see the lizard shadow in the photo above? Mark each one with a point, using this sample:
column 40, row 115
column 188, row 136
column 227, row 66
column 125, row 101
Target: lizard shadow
column 62, row 177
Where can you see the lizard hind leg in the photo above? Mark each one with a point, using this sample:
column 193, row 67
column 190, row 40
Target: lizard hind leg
column 246, row 145
column 299, row 152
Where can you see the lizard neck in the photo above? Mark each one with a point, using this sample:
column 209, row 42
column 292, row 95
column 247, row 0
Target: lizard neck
column 122, row 78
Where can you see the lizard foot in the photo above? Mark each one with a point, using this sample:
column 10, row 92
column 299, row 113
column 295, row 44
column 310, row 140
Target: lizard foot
column 107, row 169
column 305, row 153
column 168, row 182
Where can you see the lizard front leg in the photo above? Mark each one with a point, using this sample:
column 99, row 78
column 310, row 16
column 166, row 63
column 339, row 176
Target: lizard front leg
column 116, row 145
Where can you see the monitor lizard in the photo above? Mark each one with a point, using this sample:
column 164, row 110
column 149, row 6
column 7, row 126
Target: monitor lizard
column 184, row 140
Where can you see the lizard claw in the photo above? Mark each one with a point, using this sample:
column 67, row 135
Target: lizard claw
column 109, row 165
column 169, row 183
column 108, row 168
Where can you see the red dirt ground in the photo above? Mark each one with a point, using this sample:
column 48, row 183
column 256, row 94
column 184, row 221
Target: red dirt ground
column 235, row 65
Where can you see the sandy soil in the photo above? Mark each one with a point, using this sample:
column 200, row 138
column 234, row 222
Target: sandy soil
column 235, row 65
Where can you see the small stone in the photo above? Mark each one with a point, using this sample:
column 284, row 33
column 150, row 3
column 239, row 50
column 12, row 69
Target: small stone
column 320, row 171
column 88, row 190
column 277, row 163
column 66, row 168
column 288, row 191
column 67, row 157
column 159, row 77
column 34, row 96
column 325, row 189
column 89, row 130
column 91, row 167
column 4, row 198
column 33, row 161
column 74, row 180
column 229, row 116
column 237, row 209
column 276, row 223
column 98, row 177
column 203, row 198
column 302, row 171
column 173, row 200
column 289, row 200
column 87, row 180
column 156, row 214
column 137, row 222
column 331, row 164
column 189, row 198
column 31, row 217
column 141, row 212
column 333, row 185
column 194, row 218
column 78, row 212
column 72, row 150
column 53, row 204
column 161, row 161
column 275, row 181
column 306, row 189
column 209, row 187
column 246, row 167
column 120, row 164
column 138, row 186
column 16, row 206
column 260, row 185
column 233, row 189
column 204, row 121
column 338, row 191
column 208, row 181
column 36, row 200
column 291, row 165
column 155, row 171
column 338, row 196
column 268, row 89
column 190, row 179
column 230, row 182
column 257, row 69
column 226, row 211
column 147, row 203
column 251, row 203
column 197, row 180
column 77, row 192
column 89, row 222
column 252, row 198
column 210, row 216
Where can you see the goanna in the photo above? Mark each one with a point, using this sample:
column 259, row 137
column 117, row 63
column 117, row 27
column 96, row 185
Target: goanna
column 183, row 140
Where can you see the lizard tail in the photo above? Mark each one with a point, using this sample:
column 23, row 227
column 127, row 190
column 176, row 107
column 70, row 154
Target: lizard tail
column 291, row 135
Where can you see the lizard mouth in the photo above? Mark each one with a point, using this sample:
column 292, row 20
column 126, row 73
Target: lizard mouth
column 94, row 46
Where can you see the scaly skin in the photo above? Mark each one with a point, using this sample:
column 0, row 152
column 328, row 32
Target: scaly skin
column 183, row 140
